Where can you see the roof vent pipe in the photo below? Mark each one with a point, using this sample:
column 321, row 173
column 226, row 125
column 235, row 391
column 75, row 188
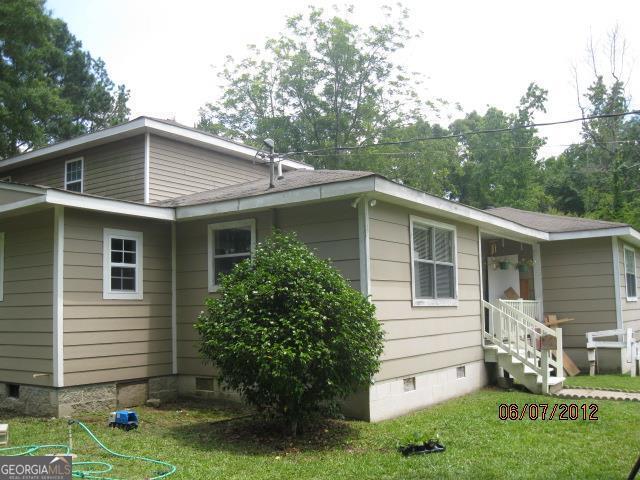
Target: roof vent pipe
column 280, row 174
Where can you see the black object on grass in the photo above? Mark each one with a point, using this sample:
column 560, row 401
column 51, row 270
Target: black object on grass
column 421, row 448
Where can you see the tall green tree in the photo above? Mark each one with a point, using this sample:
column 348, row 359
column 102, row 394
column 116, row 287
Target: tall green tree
column 502, row 168
column 324, row 83
column 50, row 88
column 600, row 177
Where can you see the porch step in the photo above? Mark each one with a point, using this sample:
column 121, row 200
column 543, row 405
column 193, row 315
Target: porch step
column 522, row 374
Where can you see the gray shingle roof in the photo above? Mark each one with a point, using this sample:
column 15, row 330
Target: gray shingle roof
column 291, row 181
column 551, row 223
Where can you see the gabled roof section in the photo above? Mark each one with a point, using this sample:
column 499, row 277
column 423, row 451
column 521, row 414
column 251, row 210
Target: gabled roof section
column 552, row 223
column 138, row 126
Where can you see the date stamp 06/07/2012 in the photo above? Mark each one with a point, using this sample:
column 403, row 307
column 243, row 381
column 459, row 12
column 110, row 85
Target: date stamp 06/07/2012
column 545, row 411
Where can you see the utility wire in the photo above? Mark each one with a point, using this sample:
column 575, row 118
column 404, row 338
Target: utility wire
column 462, row 134
column 401, row 153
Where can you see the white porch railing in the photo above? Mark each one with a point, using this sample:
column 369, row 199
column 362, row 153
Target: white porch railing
column 524, row 338
column 531, row 308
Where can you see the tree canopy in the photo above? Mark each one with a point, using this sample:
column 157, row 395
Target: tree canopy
column 325, row 84
column 50, row 88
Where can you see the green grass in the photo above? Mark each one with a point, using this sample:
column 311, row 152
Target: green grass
column 206, row 441
column 619, row 381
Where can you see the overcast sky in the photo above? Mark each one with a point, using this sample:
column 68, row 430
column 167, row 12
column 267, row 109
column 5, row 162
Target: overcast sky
column 476, row 53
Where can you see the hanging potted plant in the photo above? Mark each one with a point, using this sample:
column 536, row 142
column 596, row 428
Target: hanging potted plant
column 504, row 264
column 524, row 265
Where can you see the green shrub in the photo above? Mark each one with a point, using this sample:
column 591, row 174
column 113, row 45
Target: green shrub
column 289, row 333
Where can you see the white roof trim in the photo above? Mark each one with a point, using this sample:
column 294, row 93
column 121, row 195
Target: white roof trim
column 384, row 188
column 106, row 205
column 454, row 210
column 28, row 202
column 139, row 126
column 299, row 195
column 628, row 233
column 124, row 130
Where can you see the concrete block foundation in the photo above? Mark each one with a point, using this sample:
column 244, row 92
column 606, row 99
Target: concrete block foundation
column 67, row 401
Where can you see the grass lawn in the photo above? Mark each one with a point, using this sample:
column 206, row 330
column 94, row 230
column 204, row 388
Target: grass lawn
column 210, row 442
column 619, row 381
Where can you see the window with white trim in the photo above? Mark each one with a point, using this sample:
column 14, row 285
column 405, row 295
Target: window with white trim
column 73, row 175
column 229, row 244
column 433, row 263
column 630, row 273
column 1, row 266
column 122, row 255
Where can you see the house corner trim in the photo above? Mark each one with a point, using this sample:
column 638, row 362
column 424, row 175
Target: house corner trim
column 147, row 161
column 363, row 236
column 615, row 250
column 174, row 315
column 58, row 297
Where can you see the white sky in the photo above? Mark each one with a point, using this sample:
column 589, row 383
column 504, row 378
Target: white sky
column 476, row 53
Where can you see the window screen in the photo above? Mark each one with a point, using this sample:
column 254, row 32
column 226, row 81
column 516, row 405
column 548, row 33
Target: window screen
column 230, row 246
column 73, row 175
column 630, row 272
column 433, row 262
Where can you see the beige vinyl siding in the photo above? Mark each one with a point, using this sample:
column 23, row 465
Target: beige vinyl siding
column 577, row 278
column 331, row 229
column 111, row 340
column 420, row 339
column 178, row 168
column 630, row 309
column 112, row 170
column 26, row 313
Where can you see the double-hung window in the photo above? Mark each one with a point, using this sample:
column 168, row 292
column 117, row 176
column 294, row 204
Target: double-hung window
column 122, row 264
column 630, row 274
column 73, row 175
column 433, row 263
column 229, row 244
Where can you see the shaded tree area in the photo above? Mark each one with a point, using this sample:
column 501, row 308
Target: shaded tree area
column 50, row 88
column 600, row 177
column 326, row 83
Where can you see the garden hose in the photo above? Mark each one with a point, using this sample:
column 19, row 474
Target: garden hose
column 91, row 469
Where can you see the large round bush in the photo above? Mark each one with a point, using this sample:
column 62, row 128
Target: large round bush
column 288, row 332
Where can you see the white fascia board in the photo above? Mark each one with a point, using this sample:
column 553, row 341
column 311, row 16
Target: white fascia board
column 391, row 190
column 109, row 134
column 297, row 196
column 21, row 188
column 107, row 205
column 626, row 232
column 193, row 136
column 7, row 207
column 292, row 164
column 135, row 127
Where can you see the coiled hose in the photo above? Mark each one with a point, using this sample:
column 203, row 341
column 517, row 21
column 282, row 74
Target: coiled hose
column 91, row 470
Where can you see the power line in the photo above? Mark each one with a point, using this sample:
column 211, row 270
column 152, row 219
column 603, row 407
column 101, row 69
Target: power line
column 497, row 149
column 462, row 134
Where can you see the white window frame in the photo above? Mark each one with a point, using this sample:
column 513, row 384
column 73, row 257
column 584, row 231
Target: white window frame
column 211, row 228
column 107, row 293
column 433, row 302
column 630, row 298
column 81, row 160
column 1, row 266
